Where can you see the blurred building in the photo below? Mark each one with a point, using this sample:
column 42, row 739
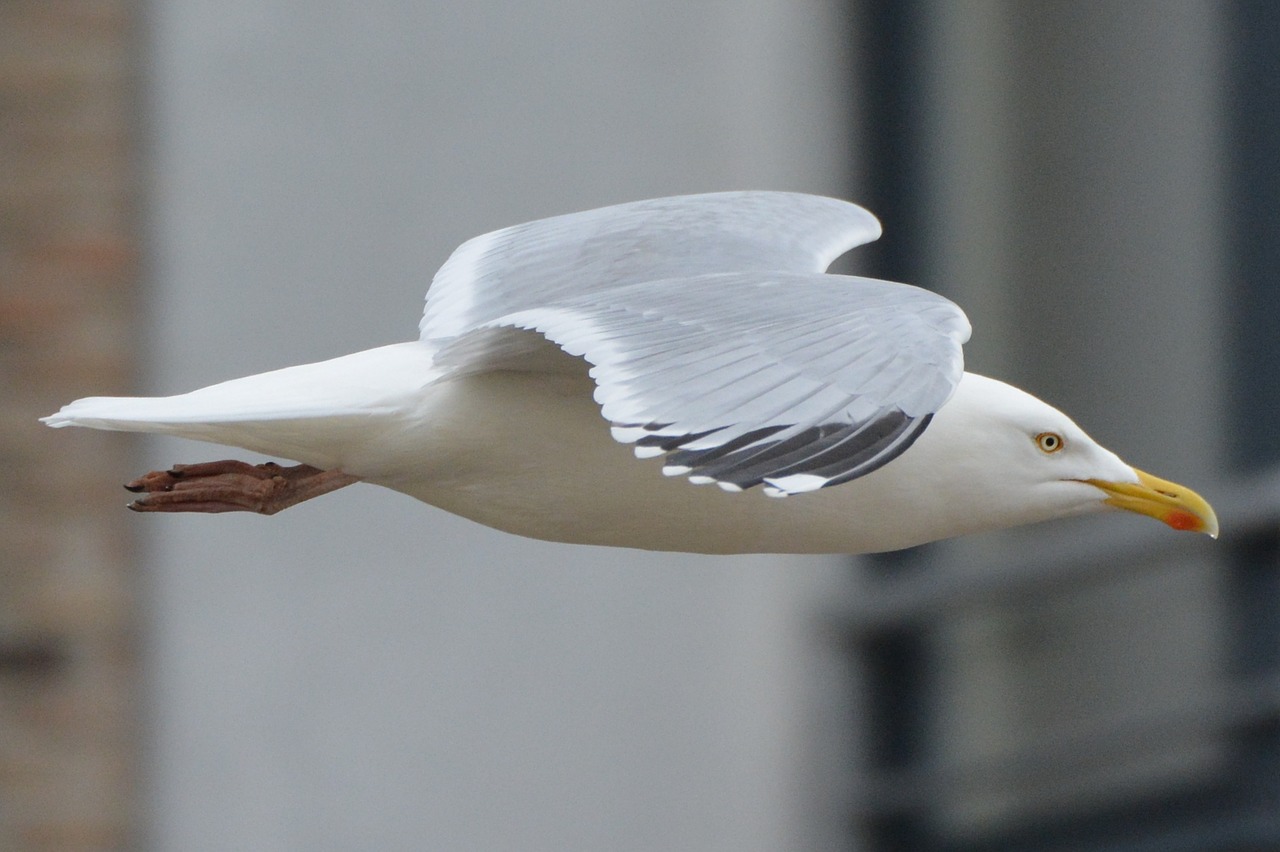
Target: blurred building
column 1098, row 187
column 197, row 191
column 69, row 302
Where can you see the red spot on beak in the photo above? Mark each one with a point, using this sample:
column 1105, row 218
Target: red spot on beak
column 1183, row 521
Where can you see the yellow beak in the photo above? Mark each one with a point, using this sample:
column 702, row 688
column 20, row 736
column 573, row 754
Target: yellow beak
column 1175, row 505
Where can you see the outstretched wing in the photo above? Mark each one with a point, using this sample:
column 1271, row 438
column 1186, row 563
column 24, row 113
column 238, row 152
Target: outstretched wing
column 715, row 339
column 791, row 380
column 540, row 263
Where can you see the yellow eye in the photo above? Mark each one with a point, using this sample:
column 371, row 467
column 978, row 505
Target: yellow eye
column 1050, row 442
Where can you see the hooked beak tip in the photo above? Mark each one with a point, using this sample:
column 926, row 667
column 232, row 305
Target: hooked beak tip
column 1175, row 505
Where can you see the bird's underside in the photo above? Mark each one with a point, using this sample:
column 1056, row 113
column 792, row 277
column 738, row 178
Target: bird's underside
column 233, row 486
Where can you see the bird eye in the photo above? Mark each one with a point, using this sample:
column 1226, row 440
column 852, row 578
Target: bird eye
column 1050, row 442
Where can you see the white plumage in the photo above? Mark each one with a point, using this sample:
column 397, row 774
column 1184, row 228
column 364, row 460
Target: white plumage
column 717, row 348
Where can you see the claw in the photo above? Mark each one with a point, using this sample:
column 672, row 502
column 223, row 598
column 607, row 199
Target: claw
column 232, row 486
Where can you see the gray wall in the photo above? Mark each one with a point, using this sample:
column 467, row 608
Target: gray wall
column 365, row 671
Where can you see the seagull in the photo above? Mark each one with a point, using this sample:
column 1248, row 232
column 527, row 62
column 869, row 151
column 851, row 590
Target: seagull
column 575, row 378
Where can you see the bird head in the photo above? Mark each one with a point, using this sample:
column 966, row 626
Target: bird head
column 1037, row 463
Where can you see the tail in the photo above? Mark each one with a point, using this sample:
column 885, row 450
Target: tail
column 311, row 413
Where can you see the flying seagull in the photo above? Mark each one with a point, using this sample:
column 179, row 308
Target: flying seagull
column 821, row 413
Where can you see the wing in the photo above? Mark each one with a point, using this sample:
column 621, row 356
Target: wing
column 539, row 263
column 791, row 380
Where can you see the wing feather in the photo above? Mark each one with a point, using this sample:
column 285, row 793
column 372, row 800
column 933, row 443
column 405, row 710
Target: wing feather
column 537, row 264
column 715, row 339
column 788, row 380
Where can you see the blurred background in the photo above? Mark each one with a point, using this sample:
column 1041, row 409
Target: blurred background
column 192, row 191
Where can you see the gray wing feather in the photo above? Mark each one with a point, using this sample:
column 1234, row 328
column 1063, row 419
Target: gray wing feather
column 789, row 380
column 715, row 340
column 539, row 263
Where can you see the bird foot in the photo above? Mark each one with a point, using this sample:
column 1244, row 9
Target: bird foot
column 233, row 486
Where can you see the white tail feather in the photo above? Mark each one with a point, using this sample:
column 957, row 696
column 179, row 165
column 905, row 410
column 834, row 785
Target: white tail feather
column 307, row 413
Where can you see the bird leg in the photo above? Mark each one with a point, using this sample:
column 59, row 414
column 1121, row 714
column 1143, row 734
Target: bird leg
column 233, row 486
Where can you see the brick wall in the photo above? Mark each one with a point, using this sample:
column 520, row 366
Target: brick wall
column 68, row 327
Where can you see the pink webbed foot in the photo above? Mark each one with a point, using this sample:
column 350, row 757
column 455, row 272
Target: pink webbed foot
column 233, row 486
